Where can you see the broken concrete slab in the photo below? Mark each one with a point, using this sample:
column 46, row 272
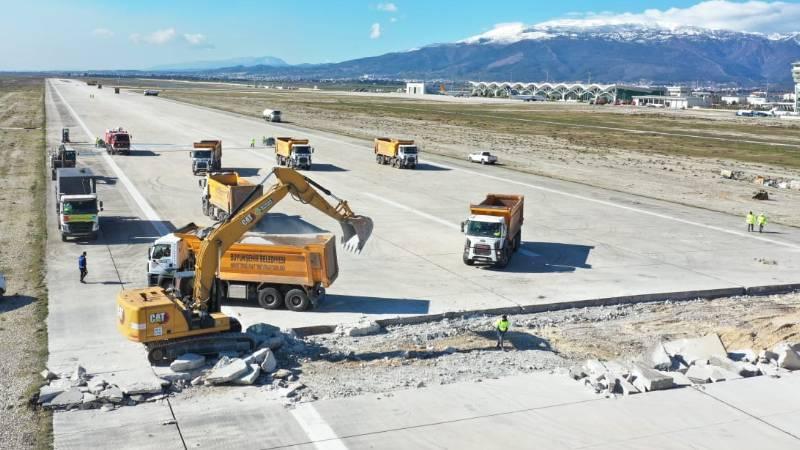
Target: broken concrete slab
column 47, row 393
column 594, row 368
column 96, row 385
column 48, row 375
column 88, row 398
column 624, row 387
column 68, row 399
column 270, row 363
column 576, row 373
column 112, row 394
column 746, row 369
column 152, row 386
column 694, row 349
column 746, row 355
column 249, row 377
column 227, row 373
column 362, row 328
column 78, row 374
column 788, row 358
column 187, row 362
column 257, row 357
column 700, row 374
column 719, row 374
column 647, row 379
column 658, row 358
column 173, row 377
column 679, row 379
column 281, row 374
column 766, row 356
column 263, row 329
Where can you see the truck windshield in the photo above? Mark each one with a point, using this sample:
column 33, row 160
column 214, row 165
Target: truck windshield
column 484, row 229
column 69, row 156
column 409, row 150
column 202, row 154
column 80, row 207
column 302, row 149
column 161, row 251
column 121, row 139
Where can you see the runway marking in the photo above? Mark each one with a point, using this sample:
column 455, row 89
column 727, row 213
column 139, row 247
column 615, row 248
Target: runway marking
column 316, row 428
column 148, row 210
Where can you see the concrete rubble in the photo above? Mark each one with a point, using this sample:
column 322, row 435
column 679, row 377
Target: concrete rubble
column 187, row 362
column 683, row 363
column 363, row 328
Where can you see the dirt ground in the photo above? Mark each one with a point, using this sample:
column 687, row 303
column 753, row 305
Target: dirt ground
column 463, row 350
column 23, row 310
column 608, row 147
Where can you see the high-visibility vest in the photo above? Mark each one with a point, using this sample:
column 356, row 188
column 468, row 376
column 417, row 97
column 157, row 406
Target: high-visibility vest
column 502, row 325
column 751, row 219
column 762, row 219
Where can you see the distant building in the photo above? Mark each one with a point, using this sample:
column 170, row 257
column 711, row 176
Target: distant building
column 669, row 101
column 415, row 88
column 756, row 100
column 554, row 91
column 796, row 76
column 733, row 99
column 678, row 91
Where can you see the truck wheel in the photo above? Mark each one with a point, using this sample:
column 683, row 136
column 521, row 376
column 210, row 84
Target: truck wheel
column 518, row 241
column 483, row 162
column 503, row 261
column 297, row 300
column 468, row 262
column 378, row 159
column 53, row 175
column 63, row 237
column 270, row 298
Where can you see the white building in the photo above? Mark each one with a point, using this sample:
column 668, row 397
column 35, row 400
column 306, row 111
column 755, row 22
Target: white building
column 678, row 91
column 668, row 101
column 756, row 100
column 796, row 76
column 734, row 99
column 415, row 88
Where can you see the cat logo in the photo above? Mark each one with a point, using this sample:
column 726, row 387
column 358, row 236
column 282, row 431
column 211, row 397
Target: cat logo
column 247, row 219
column 160, row 317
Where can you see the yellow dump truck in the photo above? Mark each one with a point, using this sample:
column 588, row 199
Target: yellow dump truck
column 293, row 153
column 493, row 230
column 273, row 270
column 223, row 192
column 402, row 153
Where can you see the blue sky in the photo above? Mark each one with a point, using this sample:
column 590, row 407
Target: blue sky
column 94, row 34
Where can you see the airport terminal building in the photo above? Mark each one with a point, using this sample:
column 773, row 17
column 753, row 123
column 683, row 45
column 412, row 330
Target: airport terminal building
column 579, row 92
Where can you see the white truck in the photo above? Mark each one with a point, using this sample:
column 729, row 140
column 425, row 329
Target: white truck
column 482, row 157
column 271, row 115
column 493, row 230
column 77, row 204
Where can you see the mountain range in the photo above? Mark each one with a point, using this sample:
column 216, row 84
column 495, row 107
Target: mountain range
column 247, row 61
column 606, row 54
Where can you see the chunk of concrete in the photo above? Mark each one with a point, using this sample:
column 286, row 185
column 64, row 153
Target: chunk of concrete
column 576, row 373
column 78, row 374
column 227, row 373
column 282, row 374
column 173, row 377
column 250, row 377
column 719, row 374
column 198, row 381
column 770, row 370
column 47, row 393
column 88, row 398
column 658, row 358
column 263, row 329
column 724, row 363
column 766, row 356
column 694, row 349
column 787, row 357
column 48, row 375
column 679, row 379
column 151, row 386
column 270, row 363
column 362, row 328
column 648, row 379
column 96, row 385
column 594, row 368
column 700, row 374
column 187, row 362
column 68, row 399
column 112, row 394
column 257, row 357
column 624, row 387
column 747, row 369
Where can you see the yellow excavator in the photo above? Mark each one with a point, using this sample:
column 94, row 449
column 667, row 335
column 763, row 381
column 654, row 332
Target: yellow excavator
column 171, row 323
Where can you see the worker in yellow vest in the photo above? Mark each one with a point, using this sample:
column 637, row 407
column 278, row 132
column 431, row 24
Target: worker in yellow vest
column 751, row 220
column 761, row 220
column 502, row 326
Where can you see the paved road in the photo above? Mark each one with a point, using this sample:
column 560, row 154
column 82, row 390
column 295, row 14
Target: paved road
column 580, row 243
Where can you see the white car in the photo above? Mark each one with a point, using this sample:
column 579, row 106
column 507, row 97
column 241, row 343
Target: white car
column 483, row 158
column 2, row 285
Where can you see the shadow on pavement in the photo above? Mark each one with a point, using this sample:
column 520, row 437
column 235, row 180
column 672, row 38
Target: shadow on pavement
column 517, row 339
column 551, row 257
column 122, row 230
column 243, row 171
column 431, row 168
column 143, row 153
column 326, row 168
column 10, row 302
column 372, row 305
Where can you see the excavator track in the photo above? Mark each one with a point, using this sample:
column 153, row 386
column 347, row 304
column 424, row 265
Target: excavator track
column 160, row 353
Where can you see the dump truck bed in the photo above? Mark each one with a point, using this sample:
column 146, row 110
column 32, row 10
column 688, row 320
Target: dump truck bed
column 390, row 147
column 228, row 190
column 508, row 206
column 283, row 145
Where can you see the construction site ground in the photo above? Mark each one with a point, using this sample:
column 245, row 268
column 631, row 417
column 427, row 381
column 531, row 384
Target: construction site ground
column 580, row 243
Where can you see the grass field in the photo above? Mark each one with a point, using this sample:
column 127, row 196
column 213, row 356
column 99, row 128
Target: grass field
column 721, row 136
column 23, row 311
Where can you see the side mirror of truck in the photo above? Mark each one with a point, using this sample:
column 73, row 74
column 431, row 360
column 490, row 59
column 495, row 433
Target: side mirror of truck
column 101, row 206
column 312, row 149
column 201, row 182
column 149, row 253
column 463, row 223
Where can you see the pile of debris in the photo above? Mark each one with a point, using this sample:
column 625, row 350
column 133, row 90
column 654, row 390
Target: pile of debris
column 79, row 390
column 776, row 182
column 685, row 362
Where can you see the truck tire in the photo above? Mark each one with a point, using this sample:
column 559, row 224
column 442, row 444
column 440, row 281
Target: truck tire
column 518, row 241
column 483, row 162
column 297, row 300
column 53, row 174
column 378, row 159
column 63, row 237
column 468, row 262
column 270, row 298
column 503, row 261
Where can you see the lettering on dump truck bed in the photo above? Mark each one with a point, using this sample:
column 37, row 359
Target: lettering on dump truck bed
column 260, row 263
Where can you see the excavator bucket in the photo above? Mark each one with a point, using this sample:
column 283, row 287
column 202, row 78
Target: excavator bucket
column 355, row 232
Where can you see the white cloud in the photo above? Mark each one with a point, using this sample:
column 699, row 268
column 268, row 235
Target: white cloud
column 752, row 16
column 196, row 39
column 375, row 31
column 159, row 37
column 102, row 32
column 388, row 7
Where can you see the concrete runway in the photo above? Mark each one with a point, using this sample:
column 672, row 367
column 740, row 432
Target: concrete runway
column 579, row 243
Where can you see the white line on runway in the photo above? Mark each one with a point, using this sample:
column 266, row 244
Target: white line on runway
column 148, row 210
column 315, row 427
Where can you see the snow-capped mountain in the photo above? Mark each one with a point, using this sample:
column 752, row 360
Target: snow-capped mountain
column 604, row 53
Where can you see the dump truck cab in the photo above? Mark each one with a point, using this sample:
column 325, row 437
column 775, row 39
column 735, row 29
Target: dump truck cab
column 293, row 153
column 493, row 230
column 78, row 216
column 164, row 258
column 206, row 156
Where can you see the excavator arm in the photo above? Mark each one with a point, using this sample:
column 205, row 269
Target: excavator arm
column 355, row 229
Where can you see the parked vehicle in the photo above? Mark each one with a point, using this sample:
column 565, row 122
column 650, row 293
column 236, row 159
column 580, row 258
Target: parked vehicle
column 2, row 285
column 482, row 157
column 62, row 157
column 401, row 153
column 152, row 92
column 259, row 267
column 745, row 113
column 64, row 135
column 77, row 204
column 208, row 158
column 293, row 153
column 117, row 141
column 493, row 230
column 116, row 90
column 223, row 192
column 271, row 115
